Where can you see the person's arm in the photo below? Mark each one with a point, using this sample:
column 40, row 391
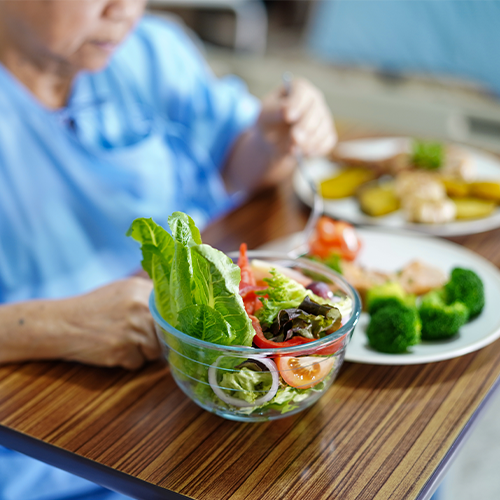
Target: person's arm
column 110, row 326
column 264, row 154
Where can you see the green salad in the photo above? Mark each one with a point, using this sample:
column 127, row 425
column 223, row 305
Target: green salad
column 202, row 293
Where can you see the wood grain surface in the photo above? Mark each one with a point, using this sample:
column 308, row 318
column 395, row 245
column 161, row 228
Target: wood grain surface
column 380, row 432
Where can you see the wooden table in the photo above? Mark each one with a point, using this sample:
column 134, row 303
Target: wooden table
column 380, row 432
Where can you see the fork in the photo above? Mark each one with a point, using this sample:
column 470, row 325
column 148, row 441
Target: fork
column 317, row 209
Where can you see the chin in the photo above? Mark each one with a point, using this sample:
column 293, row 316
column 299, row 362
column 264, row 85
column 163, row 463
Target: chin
column 94, row 59
column 96, row 67
column 95, row 64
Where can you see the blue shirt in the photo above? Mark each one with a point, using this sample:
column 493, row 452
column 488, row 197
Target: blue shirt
column 144, row 137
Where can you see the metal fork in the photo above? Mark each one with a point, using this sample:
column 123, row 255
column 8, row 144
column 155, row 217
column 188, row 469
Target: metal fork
column 317, row 209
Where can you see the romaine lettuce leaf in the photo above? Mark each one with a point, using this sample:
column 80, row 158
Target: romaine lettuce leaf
column 184, row 229
column 216, row 281
column 205, row 323
column 186, row 235
column 187, row 274
column 158, row 250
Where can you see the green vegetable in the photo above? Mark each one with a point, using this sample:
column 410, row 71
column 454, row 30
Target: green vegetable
column 333, row 261
column 286, row 293
column 287, row 399
column 440, row 320
column 283, row 293
column 388, row 293
column 393, row 328
column 309, row 320
column 205, row 323
column 466, row 286
column 196, row 286
column 287, row 396
column 246, row 384
column 158, row 250
column 197, row 291
column 427, row 155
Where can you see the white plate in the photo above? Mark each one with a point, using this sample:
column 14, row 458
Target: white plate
column 488, row 167
column 389, row 252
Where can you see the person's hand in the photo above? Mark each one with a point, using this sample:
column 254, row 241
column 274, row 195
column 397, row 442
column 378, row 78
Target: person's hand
column 111, row 326
column 299, row 120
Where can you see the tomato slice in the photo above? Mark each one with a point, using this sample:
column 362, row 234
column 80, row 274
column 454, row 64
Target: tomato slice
column 306, row 371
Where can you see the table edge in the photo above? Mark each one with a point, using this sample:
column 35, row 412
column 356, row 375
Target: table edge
column 86, row 468
column 438, row 475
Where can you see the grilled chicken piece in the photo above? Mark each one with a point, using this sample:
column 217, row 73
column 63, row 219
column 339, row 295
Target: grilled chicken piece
column 423, row 198
column 416, row 277
column 363, row 279
column 419, row 278
column 419, row 184
column 391, row 165
column 430, row 211
column 458, row 163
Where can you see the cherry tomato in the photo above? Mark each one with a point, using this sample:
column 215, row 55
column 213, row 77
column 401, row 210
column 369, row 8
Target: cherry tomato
column 327, row 230
column 334, row 237
column 306, row 371
column 320, row 248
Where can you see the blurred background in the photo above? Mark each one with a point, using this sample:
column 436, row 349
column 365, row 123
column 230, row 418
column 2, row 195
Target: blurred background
column 420, row 67
column 427, row 68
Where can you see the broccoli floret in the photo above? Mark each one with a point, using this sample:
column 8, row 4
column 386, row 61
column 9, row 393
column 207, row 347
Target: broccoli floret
column 393, row 328
column 388, row 293
column 466, row 286
column 439, row 319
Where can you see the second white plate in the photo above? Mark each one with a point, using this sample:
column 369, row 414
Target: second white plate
column 488, row 167
column 389, row 252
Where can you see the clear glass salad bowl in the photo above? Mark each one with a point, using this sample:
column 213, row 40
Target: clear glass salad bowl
column 253, row 384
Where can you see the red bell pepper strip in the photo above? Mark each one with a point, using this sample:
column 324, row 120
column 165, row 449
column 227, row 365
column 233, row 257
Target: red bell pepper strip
column 248, row 285
column 260, row 341
column 247, row 277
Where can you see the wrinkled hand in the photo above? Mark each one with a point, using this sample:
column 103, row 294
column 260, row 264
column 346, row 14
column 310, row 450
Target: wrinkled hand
column 112, row 326
column 298, row 120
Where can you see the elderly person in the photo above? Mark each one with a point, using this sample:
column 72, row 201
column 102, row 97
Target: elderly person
column 104, row 117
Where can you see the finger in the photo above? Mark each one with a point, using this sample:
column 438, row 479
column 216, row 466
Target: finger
column 297, row 104
column 143, row 326
column 133, row 358
column 315, row 126
column 307, row 127
column 151, row 346
column 321, row 144
column 322, row 140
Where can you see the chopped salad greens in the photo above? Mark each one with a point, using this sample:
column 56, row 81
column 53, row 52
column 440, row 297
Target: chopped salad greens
column 202, row 293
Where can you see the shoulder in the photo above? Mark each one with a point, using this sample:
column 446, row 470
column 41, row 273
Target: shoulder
column 158, row 46
column 156, row 31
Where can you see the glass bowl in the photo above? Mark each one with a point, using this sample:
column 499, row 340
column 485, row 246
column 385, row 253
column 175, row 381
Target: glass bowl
column 252, row 384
